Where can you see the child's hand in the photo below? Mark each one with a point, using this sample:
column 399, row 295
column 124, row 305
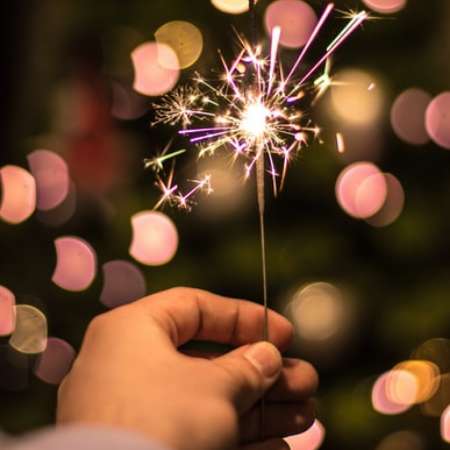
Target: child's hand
column 130, row 375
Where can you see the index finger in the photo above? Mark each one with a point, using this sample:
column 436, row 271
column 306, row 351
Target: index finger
column 187, row 314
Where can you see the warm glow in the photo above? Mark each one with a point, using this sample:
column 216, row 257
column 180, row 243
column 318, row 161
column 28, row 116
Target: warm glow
column 352, row 100
column 254, row 119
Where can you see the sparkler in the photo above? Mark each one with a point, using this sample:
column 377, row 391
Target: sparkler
column 255, row 114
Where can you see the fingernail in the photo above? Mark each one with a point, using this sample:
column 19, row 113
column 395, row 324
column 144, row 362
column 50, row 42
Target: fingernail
column 265, row 357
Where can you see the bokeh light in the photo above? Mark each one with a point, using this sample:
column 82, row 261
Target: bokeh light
column 437, row 351
column 427, row 377
column 55, row 362
column 311, row 439
column 123, row 282
column 402, row 440
column 437, row 120
column 30, row 334
column 394, row 392
column 63, row 212
column 155, row 238
column 436, row 405
column 18, row 200
column 353, row 101
column 184, row 38
column 361, row 190
column 385, row 6
column 231, row 6
column 408, row 116
column 318, row 311
column 229, row 191
column 76, row 264
column 52, row 178
column 445, row 425
column 156, row 68
column 127, row 104
column 7, row 311
column 295, row 17
column 393, row 205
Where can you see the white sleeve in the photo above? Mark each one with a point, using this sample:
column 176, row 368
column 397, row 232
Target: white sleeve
column 79, row 438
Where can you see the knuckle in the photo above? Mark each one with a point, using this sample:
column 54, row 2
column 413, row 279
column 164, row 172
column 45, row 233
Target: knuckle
column 98, row 323
column 182, row 291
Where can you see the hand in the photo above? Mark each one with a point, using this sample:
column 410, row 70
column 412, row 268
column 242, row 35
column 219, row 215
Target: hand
column 130, row 374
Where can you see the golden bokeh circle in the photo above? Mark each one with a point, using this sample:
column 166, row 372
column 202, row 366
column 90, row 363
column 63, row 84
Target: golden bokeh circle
column 184, row 38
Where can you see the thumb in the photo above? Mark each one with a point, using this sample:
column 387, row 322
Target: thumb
column 253, row 369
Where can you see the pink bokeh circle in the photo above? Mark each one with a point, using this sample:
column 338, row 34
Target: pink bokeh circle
column 385, row 6
column 361, row 190
column 295, row 18
column 156, row 68
column 437, row 120
column 155, row 238
column 408, row 116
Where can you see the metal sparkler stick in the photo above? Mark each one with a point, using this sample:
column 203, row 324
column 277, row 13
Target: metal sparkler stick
column 260, row 192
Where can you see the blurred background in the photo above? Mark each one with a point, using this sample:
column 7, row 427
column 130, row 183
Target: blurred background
column 358, row 240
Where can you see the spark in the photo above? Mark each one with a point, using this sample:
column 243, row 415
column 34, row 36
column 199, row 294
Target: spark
column 340, row 143
column 157, row 163
column 254, row 113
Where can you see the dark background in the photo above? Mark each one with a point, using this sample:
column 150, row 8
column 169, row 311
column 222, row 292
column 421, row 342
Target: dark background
column 399, row 276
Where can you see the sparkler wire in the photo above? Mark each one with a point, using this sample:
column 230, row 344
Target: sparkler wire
column 260, row 192
column 260, row 185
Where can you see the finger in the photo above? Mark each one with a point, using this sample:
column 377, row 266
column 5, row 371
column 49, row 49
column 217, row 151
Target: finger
column 248, row 373
column 280, row 420
column 272, row 444
column 298, row 381
column 187, row 314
